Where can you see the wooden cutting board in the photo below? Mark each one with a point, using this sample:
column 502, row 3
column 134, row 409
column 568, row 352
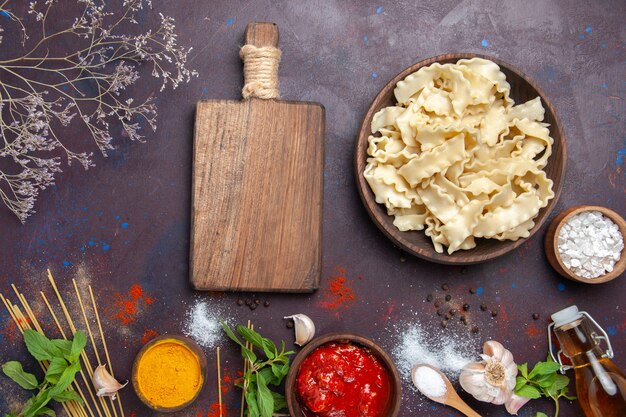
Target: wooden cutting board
column 256, row 215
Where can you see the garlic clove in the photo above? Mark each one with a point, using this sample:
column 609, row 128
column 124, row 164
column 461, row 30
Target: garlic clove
column 496, row 351
column 514, row 403
column 105, row 384
column 304, row 327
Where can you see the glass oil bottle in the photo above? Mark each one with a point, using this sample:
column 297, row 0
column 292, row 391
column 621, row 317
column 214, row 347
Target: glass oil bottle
column 600, row 384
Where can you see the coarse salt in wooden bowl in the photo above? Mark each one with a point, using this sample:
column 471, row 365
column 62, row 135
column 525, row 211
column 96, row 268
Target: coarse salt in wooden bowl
column 416, row 242
column 552, row 249
column 393, row 405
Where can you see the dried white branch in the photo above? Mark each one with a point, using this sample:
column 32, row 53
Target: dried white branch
column 46, row 92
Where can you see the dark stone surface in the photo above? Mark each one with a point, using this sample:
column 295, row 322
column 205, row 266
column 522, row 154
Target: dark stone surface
column 126, row 221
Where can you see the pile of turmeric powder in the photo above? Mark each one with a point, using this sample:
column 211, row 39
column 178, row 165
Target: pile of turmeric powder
column 169, row 374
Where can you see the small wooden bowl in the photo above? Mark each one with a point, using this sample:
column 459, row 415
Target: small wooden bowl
column 416, row 242
column 393, row 407
column 552, row 251
column 189, row 344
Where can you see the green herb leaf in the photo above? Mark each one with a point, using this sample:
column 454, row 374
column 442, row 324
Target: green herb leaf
column 540, row 414
column 279, row 402
column 546, row 381
column 276, row 370
column 528, row 391
column 265, row 398
column 66, row 378
column 561, row 382
column 544, row 368
column 523, row 368
column 39, row 346
column 68, row 396
column 269, row 348
column 14, row 370
column 251, row 336
column 564, row 394
column 230, row 334
column 248, row 354
column 78, row 344
column 65, row 346
column 519, row 383
column 251, row 402
column 46, row 412
column 56, row 368
column 268, row 376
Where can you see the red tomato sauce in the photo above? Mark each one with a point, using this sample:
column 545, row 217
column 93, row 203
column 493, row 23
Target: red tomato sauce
column 339, row 379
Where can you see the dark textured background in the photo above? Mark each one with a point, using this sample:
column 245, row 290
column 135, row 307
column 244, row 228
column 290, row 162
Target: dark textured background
column 126, row 221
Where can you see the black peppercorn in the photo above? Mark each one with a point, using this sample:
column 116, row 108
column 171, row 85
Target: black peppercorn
column 494, row 313
column 466, row 307
column 248, row 301
column 253, row 306
column 266, row 303
column 472, row 290
column 240, row 302
column 453, row 311
column 475, row 329
column 483, row 307
column 535, row 316
column 448, row 297
column 445, row 287
column 429, row 298
column 463, row 319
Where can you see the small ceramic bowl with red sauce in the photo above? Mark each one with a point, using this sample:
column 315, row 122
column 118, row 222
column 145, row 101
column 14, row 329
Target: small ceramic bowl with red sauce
column 343, row 374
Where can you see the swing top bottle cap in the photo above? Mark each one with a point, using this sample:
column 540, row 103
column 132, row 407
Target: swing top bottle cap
column 565, row 316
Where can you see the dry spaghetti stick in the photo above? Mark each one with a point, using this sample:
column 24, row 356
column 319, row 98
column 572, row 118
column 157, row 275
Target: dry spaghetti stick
column 83, row 355
column 106, row 349
column 93, row 342
column 219, row 381
column 10, row 310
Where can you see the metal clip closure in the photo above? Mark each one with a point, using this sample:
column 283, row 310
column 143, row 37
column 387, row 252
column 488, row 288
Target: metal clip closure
column 607, row 354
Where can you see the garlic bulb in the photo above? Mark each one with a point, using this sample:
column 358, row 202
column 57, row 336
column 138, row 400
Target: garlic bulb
column 493, row 379
column 305, row 328
column 105, row 384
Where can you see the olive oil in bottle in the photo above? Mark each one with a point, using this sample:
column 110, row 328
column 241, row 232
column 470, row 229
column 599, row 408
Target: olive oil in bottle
column 600, row 384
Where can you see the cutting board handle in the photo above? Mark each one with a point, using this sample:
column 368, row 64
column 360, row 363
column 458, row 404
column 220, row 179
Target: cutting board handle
column 262, row 34
column 261, row 57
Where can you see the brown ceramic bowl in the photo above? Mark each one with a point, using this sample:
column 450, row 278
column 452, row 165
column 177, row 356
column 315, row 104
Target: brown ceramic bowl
column 416, row 242
column 189, row 344
column 551, row 244
column 393, row 406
